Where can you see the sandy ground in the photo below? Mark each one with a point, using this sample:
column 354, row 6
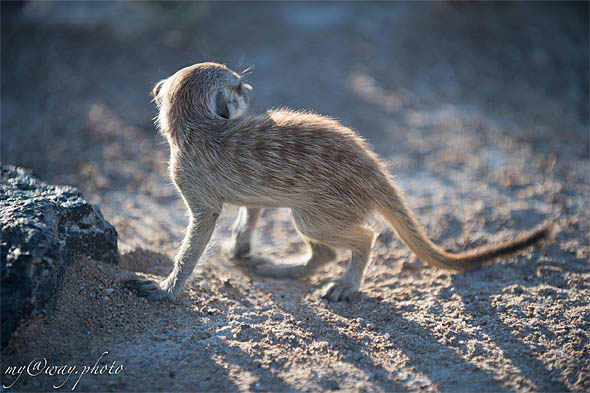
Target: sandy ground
column 482, row 112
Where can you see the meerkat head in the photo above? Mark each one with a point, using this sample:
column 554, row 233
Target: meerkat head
column 200, row 93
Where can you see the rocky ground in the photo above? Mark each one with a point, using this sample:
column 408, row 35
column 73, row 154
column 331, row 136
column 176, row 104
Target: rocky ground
column 481, row 111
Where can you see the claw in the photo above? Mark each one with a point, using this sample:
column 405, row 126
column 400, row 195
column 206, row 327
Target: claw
column 148, row 288
column 338, row 291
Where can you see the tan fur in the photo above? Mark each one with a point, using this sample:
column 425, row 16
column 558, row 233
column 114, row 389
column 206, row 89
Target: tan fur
column 322, row 171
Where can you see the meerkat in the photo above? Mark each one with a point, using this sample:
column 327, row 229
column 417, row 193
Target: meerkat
column 324, row 172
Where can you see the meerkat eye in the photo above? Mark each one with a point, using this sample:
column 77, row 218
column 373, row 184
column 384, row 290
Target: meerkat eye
column 239, row 88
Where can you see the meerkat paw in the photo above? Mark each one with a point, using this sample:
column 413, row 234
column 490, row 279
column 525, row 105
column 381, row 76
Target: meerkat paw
column 271, row 269
column 340, row 290
column 149, row 289
column 238, row 250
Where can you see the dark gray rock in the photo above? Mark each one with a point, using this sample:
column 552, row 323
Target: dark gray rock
column 42, row 229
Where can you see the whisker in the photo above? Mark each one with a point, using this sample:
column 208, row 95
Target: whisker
column 247, row 71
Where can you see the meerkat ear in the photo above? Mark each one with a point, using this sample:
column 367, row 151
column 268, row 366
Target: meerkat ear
column 221, row 107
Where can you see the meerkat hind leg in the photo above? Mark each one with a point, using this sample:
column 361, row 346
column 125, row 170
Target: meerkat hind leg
column 243, row 228
column 321, row 254
column 360, row 241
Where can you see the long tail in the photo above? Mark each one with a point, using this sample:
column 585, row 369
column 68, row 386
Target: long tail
column 394, row 209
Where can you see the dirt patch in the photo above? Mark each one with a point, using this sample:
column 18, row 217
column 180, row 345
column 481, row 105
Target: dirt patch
column 481, row 111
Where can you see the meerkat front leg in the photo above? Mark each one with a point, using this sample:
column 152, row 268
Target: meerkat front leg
column 242, row 231
column 198, row 234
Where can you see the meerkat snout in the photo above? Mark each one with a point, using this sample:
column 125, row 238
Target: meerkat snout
column 156, row 91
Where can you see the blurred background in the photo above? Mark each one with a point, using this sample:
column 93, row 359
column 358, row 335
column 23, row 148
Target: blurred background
column 459, row 95
column 452, row 94
column 76, row 76
column 480, row 108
